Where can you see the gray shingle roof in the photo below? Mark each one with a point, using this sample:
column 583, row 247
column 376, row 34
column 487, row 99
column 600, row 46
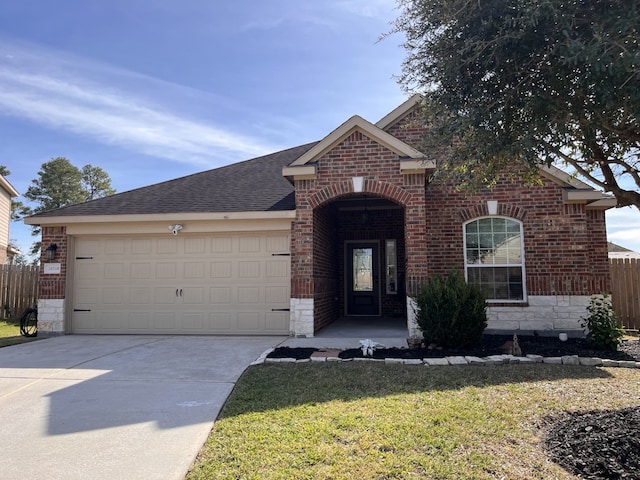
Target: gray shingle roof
column 255, row 185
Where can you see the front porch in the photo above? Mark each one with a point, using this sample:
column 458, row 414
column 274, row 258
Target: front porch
column 346, row 332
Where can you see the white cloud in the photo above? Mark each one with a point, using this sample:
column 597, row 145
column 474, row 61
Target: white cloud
column 59, row 94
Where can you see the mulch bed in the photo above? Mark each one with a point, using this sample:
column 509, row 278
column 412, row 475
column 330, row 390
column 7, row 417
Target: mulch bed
column 490, row 345
column 591, row 445
column 597, row 444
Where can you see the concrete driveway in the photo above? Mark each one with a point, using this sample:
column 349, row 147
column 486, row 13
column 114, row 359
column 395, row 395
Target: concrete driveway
column 106, row 407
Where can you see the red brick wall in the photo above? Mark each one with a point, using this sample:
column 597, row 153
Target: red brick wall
column 565, row 245
column 52, row 286
column 325, row 269
column 356, row 156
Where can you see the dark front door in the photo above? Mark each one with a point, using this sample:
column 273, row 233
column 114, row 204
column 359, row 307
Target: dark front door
column 362, row 279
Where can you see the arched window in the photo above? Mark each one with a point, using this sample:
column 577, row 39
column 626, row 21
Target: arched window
column 494, row 258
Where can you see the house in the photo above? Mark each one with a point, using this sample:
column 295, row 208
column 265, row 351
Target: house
column 7, row 192
column 618, row 251
column 350, row 225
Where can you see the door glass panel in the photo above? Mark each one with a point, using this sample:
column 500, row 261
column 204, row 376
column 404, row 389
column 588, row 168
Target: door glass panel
column 362, row 273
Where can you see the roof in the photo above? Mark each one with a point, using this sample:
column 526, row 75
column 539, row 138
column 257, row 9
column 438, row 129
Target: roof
column 4, row 183
column 255, row 185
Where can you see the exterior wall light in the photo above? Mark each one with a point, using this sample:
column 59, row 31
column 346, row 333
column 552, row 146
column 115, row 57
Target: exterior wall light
column 175, row 228
column 50, row 251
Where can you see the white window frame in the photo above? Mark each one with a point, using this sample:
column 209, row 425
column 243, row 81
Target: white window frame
column 493, row 265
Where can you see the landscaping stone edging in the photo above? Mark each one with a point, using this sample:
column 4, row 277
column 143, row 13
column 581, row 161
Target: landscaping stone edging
column 462, row 360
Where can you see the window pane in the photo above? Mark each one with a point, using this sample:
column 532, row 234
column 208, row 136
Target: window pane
column 362, row 272
column 497, row 242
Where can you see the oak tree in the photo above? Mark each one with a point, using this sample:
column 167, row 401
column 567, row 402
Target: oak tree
column 513, row 84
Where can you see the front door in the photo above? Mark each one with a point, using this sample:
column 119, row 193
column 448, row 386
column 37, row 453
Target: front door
column 362, row 279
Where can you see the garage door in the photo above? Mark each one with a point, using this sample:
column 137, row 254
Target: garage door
column 214, row 284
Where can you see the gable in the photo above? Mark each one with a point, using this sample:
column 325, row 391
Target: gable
column 409, row 158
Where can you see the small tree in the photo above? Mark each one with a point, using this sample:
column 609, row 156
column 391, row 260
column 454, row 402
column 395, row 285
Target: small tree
column 451, row 313
column 60, row 184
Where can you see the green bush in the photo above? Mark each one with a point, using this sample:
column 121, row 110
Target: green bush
column 451, row 313
column 603, row 330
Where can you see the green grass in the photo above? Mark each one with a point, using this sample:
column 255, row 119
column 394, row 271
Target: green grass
column 10, row 333
column 361, row 420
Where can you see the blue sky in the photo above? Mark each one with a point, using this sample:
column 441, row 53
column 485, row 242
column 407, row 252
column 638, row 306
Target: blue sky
column 151, row 91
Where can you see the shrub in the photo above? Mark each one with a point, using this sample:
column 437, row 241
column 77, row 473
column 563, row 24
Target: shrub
column 451, row 313
column 603, row 330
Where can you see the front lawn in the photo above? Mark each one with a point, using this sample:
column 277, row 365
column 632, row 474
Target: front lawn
column 10, row 333
column 364, row 420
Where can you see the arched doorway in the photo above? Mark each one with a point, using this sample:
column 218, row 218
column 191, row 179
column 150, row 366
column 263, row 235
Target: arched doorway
column 358, row 256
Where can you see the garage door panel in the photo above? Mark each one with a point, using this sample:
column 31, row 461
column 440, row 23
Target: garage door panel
column 249, row 295
column 87, row 296
column 276, row 295
column 140, row 296
column 222, row 269
column 225, row 284
column 221, row 245
column 276, row 322
column 221, row 296
column 249, row 322
column 166, row 246
column 167, row 271
column 140, row 271
column 165, row 322
column 111, row 322
column 139, row 322
column 250, row 269
column 114, row 271
column 113, row 296
column 86, row 271
column 193, row 296
column 166, row 295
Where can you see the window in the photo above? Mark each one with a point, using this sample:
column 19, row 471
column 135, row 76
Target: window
column 494, row 258
column 392, row 268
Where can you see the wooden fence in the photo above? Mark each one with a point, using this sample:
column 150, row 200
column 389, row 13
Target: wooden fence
column 18, row 289
column 625, row 291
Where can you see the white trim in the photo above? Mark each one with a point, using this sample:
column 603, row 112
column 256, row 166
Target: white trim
column 159, row 217
column 4, row 183
column 357, row 123
column 399, row 112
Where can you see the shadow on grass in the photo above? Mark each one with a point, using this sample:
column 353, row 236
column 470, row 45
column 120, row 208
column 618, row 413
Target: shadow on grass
column 275, row 386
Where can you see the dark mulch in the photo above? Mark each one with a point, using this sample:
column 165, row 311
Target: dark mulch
column 597, row 445
column 490, row 345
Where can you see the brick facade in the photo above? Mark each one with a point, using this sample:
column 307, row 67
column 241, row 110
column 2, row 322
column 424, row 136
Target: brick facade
column 52, row 286
column 565, row 246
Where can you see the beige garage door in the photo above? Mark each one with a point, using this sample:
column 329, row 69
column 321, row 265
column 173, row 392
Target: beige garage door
column 213, row 284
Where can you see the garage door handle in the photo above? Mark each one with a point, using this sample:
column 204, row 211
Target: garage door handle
column 180, row 292
column 280, row 309
column 81, row 310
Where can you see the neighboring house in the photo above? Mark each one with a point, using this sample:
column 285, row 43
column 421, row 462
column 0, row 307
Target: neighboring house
column 618, row 251
column 287, row 243
column 7, row 192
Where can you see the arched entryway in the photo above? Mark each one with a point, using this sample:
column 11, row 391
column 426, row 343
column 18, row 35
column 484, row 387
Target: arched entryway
column 358, row 260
